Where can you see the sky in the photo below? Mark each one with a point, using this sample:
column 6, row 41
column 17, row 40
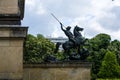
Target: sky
column 95, row 16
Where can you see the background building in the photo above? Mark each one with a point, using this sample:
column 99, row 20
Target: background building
column 59, row 39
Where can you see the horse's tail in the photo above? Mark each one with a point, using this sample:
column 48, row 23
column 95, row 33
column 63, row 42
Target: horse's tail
column 57, row 47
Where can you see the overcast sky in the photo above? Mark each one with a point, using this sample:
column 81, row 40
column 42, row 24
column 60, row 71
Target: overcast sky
column 95, row 16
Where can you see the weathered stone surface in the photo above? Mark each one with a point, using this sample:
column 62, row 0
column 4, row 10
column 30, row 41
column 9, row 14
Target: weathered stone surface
column 12, row 31
column 9, row 7
column 4, row 32
column 58, row 71
column 11, row 59
column 11, row 43
column 10, row 22
column 11, row 52
column 11, row 12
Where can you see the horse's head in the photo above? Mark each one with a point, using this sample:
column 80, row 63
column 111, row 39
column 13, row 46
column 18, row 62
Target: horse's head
column 78, row 28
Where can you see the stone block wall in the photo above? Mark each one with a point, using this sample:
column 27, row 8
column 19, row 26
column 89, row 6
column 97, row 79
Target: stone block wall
column 58, row 71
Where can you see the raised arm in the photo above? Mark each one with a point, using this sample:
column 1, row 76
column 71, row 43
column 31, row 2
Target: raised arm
column 62, row 27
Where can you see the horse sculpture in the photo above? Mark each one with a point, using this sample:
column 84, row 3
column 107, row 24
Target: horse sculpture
column 77, row 38
column 77, row 41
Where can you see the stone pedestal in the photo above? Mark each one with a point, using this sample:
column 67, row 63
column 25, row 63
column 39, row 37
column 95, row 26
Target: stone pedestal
column 11, row 52
column 58, row 71
column 11, row 12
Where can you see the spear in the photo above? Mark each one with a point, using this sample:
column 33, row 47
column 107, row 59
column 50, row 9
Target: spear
column 57, row 19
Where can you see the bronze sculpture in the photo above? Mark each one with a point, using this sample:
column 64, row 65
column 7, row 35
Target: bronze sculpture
column 72, row 47
column 74, row 42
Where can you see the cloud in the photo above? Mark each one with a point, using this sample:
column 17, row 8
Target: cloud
column 110, row 21
column 95, row 16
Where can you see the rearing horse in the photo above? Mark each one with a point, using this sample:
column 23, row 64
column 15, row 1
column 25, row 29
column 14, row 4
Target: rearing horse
column 78, row 41
column 73, row 45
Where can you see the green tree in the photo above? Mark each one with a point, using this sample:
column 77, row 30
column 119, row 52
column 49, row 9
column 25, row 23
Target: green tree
column 37, row 48
column 115, row 46
column 97, row 50
column 100, row 41
column 110, row 68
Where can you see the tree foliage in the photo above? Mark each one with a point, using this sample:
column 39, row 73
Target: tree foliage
column 115, row 46
column 37, row 48
column 110, row 68
column 97, row 49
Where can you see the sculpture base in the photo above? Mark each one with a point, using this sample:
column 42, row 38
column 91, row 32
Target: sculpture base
column 11, row 52
column 58, row 71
